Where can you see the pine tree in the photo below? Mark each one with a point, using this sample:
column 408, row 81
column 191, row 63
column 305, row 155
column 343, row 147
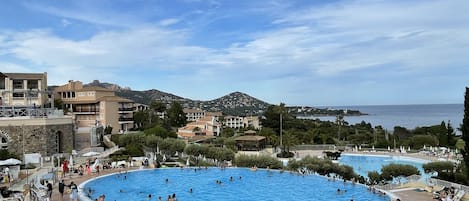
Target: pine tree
column 465, row 131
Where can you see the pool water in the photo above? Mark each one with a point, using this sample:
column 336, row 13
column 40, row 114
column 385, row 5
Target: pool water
column 246, row 185
column 362, row 164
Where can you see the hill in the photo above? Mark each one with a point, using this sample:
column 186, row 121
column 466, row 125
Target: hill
column 236, row 103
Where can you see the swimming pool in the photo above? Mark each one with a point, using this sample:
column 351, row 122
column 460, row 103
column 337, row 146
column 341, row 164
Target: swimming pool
column 246, row 185
column 362, row 164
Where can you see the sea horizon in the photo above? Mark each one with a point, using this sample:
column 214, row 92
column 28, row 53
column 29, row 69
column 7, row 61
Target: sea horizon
column 408, row 116
column 407, row 104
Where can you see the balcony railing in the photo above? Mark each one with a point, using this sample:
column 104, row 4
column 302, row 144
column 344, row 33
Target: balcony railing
column 29, row 112
column 126, row 119
column 93, row 110
column 122, row 109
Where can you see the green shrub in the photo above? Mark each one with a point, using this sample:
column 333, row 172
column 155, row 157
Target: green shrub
column 258, row 161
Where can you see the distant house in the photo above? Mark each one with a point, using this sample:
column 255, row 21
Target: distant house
column 207, row 126
column 193, row 114
column 238, row 122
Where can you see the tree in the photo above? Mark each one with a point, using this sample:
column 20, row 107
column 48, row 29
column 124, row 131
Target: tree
column 160, row 131
column 227, row 132
column 442, row 135
column 272, row 117
column 176, row 115
column 445, row 169
column 418, row 141
column 460, row 144
column 141, row 119
column 271, row 136
column 374, row 177
column 451, row 134
column 396, row 170
column 108, row 129
column 465, row 131
column 157, row 106
column 339, row 121
column 289, row 140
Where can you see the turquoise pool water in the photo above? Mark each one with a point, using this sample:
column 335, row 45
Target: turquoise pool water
column 362, row 164
column 246, row 185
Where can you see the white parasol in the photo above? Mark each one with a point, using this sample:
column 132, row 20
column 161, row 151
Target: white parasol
column 70, row 164
column 91, row 153
column 187, row 162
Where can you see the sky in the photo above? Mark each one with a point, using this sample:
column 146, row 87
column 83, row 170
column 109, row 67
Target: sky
column 314, row 53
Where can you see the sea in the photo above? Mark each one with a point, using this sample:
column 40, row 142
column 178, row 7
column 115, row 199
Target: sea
column 408, row 116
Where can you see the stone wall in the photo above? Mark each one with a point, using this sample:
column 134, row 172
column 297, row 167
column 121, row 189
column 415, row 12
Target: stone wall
column 44, row 136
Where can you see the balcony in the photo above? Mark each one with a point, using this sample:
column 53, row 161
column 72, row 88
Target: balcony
column 126, row 110
column 126, row 119
column 86, row 110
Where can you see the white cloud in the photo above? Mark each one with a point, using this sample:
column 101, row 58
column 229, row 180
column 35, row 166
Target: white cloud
column 87, row 13
column 322, row 41
column 169, row 21
column 7, row 67
column 65, row 22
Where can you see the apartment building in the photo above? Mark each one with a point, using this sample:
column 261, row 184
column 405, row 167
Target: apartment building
column 23, row 89
column 193, row 114
column 94, row 106
column 238, row 122
column 252, row 121
column 233, row 122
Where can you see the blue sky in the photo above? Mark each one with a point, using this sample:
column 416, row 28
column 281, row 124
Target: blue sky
column 351, row 52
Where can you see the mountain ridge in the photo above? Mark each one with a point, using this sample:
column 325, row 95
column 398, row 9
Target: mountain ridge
column 236, row 103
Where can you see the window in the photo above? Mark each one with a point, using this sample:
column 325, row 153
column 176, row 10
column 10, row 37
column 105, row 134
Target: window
column 2, row 83
column 73, row 94
column 91, row 93
column 81, row 94
column 18, row 95
column 18, row 84
column 4, row 142
column 33, row 84
column 33, row 94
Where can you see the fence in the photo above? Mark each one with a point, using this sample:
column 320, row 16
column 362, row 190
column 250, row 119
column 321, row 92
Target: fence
column 391, row 186
column 439, row 182
column 315, row 147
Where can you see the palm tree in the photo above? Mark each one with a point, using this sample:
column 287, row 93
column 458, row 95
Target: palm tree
column 289, row 140
column 339, row 121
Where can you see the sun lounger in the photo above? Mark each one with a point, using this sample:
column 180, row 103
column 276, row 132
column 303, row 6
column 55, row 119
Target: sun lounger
column 459, row 195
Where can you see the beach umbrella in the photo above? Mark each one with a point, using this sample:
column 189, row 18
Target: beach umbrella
column 373, row 147
column 177, row 153
column 91, row 153
column 389, row 148
column 424, row 147
column 187, row 162
column 164, row 157
column 70, row 164
column 360, row 147
column 356, row 148
column 408, row 149
column 11, row 161
column 157, row 149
